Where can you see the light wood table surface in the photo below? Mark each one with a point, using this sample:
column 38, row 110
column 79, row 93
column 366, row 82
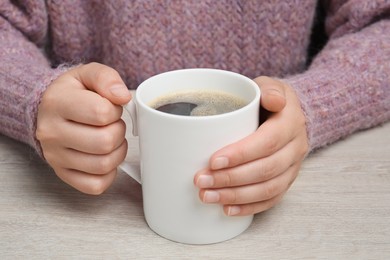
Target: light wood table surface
column 338, row 208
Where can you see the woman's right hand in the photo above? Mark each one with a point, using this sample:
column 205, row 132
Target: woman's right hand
column 80, row 129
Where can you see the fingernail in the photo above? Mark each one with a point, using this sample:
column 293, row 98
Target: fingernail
column 234, row 210
column 211, row 196
column 205, row 181
column 119, row 90
column 219, row 163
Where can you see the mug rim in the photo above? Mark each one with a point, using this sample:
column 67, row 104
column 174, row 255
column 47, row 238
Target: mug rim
column 145, row 106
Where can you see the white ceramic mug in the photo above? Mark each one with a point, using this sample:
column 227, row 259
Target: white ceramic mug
column 173, row 148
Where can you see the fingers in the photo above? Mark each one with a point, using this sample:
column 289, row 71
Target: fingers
column 79, row 126
column 94, row 140
column 98, row 164
column 252, row 208
column 84, row 138
column 273, row 96
column 251, row 172
column 260, row 205
column 262, row 143
column 67, row 99
column 254, row 198
column 86, row 183
column 88, row 173
column 95, row 110
column 103, row 80
column 252, row 175
column 249, row 193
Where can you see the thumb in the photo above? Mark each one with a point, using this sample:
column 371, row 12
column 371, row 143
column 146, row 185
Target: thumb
column 273, row 96
column 103, row 80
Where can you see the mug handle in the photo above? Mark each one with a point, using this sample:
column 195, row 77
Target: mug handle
column 131, row 169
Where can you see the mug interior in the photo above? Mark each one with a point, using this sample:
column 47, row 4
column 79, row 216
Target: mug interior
column 196, row 79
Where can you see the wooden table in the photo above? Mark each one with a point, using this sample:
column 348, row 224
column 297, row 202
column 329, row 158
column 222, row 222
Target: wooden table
column 338, row 208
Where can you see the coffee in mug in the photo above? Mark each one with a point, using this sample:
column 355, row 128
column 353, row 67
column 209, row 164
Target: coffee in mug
column 201, row 102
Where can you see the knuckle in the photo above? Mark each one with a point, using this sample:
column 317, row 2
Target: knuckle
column 231, row 177
column 104, row 165
column 271, row 145
column 265, row 205
column 224, row 179
column 228, row 179
column 93, row 64
column 105, row 73
column 107, row 142
column 124, row 147
column 234, row 197
column 102, row 112
column 257, row 207
column 269, row 191
column 97, row 186
column 122, row 124
column 304, row 145
column 120, row 127
column 241, row 154
column 305, row 149
column 265, row 171
column 249, row 209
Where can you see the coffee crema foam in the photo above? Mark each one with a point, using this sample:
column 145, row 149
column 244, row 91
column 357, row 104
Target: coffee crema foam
column 198, row 103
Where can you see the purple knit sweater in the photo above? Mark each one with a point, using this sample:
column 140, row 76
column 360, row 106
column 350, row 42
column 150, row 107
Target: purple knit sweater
column 346, row 88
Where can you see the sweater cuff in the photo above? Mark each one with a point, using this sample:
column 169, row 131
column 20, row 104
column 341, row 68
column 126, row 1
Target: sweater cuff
column 336, row 104
column 325, row 102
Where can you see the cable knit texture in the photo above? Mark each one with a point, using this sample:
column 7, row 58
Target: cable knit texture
column 345, row 89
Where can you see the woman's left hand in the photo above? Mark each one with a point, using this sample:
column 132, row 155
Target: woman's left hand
column 253, row 174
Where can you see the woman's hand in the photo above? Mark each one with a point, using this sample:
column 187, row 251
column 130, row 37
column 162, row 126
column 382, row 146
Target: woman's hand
column 253, row 174
column 80, row 129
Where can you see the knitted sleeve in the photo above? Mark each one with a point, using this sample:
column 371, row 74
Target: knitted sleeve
column 25, row 72
column 347, row 86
